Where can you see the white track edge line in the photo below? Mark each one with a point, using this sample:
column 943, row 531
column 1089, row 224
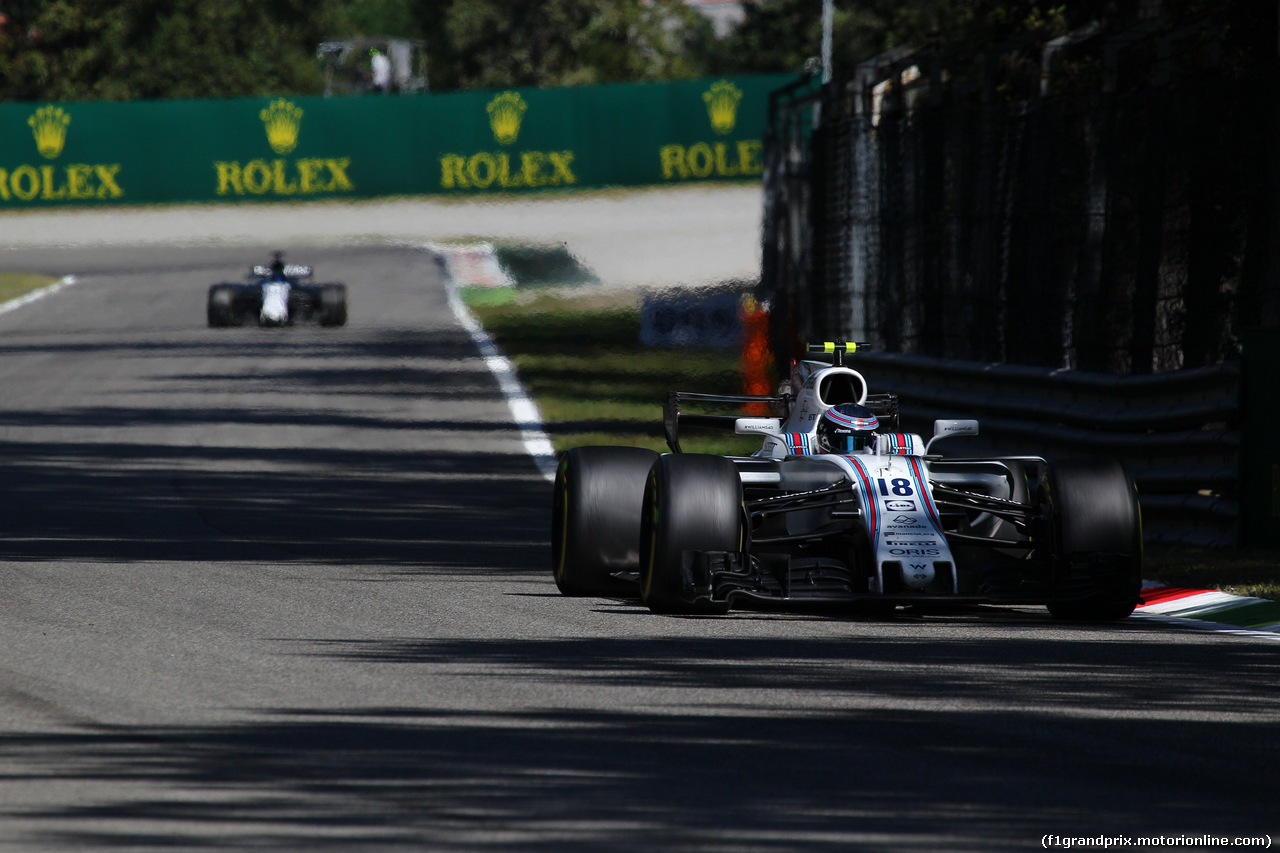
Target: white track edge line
column 523, row 410
column 26, row 299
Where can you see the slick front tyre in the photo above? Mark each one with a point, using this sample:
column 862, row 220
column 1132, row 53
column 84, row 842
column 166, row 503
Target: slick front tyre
column 333, row 305
column 221, row 307
column 1097, row 540
column 595, row 518
column 691, row 503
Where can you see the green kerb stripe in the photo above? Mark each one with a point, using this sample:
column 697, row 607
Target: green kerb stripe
column 1260, row 614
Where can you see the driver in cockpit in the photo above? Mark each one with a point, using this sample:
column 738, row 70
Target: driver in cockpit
column 277, row 267
column 847, row 428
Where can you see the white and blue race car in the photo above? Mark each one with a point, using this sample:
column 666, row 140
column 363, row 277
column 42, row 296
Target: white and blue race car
column 277, row 295
column 839, row 506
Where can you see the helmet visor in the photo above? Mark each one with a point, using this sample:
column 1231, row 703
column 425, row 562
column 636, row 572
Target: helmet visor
column 851, row 443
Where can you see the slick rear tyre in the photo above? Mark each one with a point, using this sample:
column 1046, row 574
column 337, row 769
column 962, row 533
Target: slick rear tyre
column 691, row 503
column 595, row 521
column 221, row 306
column 1097, row 540
column 333, row 305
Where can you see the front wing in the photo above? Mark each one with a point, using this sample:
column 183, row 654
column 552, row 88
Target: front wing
column 246, row 302
column 834, row 529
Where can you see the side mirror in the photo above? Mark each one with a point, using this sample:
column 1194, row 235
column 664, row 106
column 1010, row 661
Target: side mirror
column 757, row 426
column 946, row 428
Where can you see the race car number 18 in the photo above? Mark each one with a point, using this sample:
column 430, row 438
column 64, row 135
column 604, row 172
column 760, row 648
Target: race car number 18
column 901, row 487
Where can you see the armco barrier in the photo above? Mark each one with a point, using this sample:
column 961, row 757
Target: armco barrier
column 1178, row 433
column 456, row 143
column 1260, row 442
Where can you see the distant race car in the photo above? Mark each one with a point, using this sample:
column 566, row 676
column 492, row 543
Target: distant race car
column 838, row 506
column 276, row 295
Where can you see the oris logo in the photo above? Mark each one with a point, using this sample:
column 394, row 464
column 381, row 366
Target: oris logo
column 914, row 552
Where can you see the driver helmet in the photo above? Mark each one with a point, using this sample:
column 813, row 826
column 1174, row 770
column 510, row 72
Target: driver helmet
column 847, row 428
column 277, row 265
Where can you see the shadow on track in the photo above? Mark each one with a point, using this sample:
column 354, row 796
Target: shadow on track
column 873, row 769
column 131, row 484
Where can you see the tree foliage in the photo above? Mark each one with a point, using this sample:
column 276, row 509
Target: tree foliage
column 102, row 49
column 111, row 50
column 489, row 43
column 395, row 18
column 780, row 35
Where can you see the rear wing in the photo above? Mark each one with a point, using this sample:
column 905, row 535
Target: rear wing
column 885, row 408
column 290, row 271
column 672, row 417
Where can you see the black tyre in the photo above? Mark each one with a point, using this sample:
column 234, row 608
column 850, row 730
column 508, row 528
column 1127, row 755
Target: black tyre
column 691, row 503
column 1097, row 539
column 595, row 521
column 333, row 305
column 221, row 306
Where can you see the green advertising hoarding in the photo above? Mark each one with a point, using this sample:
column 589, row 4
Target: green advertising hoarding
column 465, row 143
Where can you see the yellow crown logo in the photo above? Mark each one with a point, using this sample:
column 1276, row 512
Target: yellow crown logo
column 49, row 126
column 505, row 113
column 722, row 105
column 282, row 120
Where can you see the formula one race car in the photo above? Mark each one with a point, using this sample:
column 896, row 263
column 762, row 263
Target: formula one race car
column 276, row 295
column 840, row 507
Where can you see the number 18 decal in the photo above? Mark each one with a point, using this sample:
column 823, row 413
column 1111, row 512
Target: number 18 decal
column 900, row 487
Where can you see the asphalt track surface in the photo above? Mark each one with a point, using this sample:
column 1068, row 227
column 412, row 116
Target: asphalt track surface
column 288, row 589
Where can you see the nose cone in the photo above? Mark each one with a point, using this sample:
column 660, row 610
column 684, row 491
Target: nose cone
column 275, row 304
column 917, row 575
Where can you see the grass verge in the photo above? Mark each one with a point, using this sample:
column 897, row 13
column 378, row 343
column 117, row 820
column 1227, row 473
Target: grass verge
column 15, row 284
column 581, row 360
column 1253, row 572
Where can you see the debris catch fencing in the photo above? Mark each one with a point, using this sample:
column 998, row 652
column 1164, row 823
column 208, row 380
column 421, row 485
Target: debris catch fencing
column 1104, row 203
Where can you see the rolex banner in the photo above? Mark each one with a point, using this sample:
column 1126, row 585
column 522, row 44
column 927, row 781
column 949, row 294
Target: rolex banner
column 462, row 143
